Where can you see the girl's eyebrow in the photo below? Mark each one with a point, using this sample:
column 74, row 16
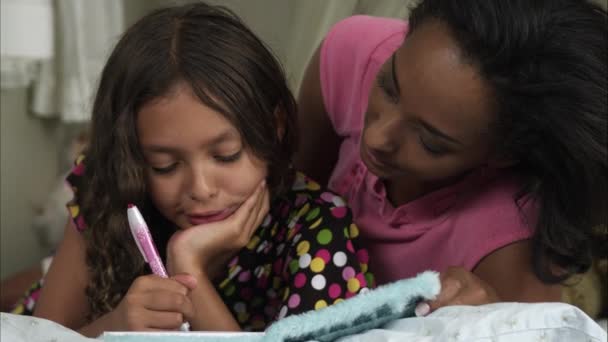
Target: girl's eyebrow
column 225, row 136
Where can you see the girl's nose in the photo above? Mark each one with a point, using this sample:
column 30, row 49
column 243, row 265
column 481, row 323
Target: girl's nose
column 202, row 186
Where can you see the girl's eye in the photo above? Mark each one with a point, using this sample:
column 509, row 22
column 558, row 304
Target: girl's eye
column 387, row 87
column 165, row 170
column 228, row 159
column 432, row 149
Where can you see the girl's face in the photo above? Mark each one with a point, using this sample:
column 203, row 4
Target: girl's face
column 198, row 169
column 429, row 113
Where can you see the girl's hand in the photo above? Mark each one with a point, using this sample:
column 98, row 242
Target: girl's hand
column 206, row 247
column 154, row 303
column 459, row 287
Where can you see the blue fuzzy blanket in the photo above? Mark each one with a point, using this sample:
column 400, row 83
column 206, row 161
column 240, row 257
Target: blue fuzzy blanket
column 369, row 310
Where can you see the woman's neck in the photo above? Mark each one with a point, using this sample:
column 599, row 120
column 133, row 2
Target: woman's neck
column 401, row 192
column 404, row 190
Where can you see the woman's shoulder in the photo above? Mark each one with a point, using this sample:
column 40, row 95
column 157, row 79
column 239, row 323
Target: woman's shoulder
column 499, row 203
column 355, row 39
column 367, row 26
column 349, row 58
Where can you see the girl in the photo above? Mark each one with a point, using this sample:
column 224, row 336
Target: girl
column 472, row 136
column 194, row 123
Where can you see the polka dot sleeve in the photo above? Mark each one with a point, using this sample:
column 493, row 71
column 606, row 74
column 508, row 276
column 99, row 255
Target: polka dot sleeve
column 324, row 263
column 74, row 180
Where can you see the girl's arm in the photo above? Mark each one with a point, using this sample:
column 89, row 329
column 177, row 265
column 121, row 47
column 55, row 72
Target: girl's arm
column 319, row 144
column 151, row 303
column 211, row 314
column 62, row 298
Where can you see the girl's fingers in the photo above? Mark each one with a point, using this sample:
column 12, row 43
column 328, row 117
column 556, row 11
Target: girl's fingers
column 163, row 320
column 257, row 215
column 168, row 301
column 265, row 207
column 155, row 283
column 248, row 206
column 249, row 209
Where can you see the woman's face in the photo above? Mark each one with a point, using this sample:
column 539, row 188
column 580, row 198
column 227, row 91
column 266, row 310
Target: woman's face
column 429, row 113
column 198, row 168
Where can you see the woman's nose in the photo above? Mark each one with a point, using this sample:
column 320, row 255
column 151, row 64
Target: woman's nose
column 381, row 137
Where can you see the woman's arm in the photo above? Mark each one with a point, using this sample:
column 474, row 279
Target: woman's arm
column 505, row 275
column 509, row 271
column 319, row 144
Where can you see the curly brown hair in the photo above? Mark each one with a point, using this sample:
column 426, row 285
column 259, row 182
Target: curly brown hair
column 229, row 69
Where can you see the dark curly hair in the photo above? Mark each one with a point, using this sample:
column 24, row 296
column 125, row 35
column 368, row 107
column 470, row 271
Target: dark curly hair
column 546, row 62
column 229, row 69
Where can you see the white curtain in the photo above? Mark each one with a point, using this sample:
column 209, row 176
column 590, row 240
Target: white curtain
column 27, row 38
column 87, row 31
column 64, row 85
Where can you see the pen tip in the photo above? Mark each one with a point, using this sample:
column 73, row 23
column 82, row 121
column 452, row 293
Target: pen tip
column 130, row 205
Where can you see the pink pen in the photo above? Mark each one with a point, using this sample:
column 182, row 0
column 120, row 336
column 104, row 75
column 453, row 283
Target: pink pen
column 145, row 244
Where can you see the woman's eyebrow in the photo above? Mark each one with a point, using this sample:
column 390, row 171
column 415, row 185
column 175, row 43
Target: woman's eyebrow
column 394, row 74
column 439, row 133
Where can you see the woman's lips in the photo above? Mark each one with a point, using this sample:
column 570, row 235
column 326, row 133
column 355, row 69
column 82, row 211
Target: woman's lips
column 196, row 219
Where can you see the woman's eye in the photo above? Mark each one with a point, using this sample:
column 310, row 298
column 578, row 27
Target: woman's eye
column 164, row 170
column 387, row 87
column 432, row 149
column 229, row 158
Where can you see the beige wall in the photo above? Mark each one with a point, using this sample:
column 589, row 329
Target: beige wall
column 28, row 169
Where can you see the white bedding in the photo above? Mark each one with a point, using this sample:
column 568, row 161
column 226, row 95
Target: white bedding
column 501, row 322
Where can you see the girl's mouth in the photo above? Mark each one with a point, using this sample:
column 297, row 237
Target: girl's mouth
column 196, row 219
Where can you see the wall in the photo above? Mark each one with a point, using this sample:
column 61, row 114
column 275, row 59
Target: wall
column 28, row 169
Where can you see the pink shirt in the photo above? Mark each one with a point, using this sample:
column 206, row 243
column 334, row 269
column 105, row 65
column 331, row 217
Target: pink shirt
column 456, row 225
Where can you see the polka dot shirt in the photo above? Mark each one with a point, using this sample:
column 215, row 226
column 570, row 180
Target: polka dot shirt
column 304, row 256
